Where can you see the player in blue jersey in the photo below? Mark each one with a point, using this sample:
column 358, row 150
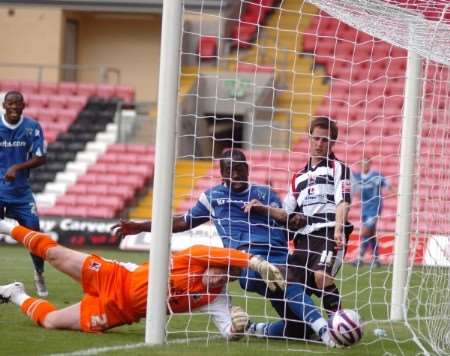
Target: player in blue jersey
column 370, row 184
column 258, row 234
column 22, row 147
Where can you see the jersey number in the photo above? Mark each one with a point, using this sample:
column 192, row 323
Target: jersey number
column 326, row 257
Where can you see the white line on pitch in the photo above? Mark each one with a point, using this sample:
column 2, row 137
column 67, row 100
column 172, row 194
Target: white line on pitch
column 99, row 350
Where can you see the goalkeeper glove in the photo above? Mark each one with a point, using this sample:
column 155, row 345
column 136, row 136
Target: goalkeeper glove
column 269, row 273
column 239, row 320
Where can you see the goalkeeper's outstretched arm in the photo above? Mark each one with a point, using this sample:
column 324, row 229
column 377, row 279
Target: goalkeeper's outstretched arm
column 128, row 227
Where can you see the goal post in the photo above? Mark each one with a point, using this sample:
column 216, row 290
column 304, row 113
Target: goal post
column 164, row 171
column 411, row 121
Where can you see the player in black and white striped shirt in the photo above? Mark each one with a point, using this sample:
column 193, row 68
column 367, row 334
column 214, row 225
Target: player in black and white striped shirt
column 316, row 210
column 318, row 203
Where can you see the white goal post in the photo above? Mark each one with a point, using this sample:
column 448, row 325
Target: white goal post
column 164, row 168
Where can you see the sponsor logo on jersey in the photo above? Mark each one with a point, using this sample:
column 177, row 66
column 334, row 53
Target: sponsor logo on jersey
column 95, row 266
column 8, row 144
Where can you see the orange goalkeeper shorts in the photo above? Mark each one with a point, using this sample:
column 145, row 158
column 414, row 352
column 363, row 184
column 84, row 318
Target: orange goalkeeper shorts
column 106, row 302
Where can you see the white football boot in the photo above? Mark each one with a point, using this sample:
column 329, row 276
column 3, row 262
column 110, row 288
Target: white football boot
column 325, row 336
column 10, row 292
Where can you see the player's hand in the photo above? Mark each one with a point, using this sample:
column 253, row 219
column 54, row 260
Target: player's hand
column 11, row 174
column 253, row 205
column 215, row 277
column 296, row 221
column 269, row 273
column 125, row 227
column 339, row 239
column 239, row 320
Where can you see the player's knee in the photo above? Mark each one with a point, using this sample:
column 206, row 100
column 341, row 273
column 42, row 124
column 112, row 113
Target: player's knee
column 322, row 279
column 51, row 255
column 50, row 322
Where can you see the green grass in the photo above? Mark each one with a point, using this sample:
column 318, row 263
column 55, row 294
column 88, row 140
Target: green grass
column 19, row 336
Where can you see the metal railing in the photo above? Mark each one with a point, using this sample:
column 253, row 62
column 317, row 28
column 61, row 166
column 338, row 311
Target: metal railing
column 105, row 74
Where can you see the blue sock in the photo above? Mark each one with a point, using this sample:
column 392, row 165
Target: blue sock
column 301, row 304
column 276, row 329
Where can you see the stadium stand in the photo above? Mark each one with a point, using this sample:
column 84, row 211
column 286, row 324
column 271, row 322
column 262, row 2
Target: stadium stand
column 78, row 120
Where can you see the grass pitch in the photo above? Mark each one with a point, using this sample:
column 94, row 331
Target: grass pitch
column 189, row 334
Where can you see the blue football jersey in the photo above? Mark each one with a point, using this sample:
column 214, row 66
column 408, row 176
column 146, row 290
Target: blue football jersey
column 370, row 186
column 236, row 228
column 18, row 143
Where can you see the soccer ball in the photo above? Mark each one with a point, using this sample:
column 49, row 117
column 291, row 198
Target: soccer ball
column 345, row 327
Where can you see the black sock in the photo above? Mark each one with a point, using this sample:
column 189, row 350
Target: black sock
column 331, row 299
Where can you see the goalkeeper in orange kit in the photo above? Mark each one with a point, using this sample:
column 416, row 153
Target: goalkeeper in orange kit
column 115, row 293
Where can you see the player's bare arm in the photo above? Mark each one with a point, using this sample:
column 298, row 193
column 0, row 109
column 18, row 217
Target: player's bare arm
column 33, row 162
column 278, row 214
column 128, row 227
column 342, row 210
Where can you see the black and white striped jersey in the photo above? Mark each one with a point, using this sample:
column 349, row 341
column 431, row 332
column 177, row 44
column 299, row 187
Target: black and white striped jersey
column 316, row 191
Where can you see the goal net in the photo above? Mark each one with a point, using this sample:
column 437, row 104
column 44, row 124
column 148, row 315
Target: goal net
column 252, row 76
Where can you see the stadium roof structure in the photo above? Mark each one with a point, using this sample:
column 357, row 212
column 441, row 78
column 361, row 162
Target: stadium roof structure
column 154, row 6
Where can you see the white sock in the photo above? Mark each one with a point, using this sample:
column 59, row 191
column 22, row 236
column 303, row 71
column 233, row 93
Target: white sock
column 318, row 325
column 6, row 227
column 19, row 298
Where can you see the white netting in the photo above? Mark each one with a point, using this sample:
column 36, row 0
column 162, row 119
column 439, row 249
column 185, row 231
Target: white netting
column 255, row 72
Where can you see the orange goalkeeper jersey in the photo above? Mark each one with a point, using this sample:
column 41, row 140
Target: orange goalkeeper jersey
column 186, row 289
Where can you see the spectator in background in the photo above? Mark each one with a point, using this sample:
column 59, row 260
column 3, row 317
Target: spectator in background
column 370, row 184
column 22, row 147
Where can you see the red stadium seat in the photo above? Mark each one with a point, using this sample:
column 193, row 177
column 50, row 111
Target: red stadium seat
column 98, row 168
column 114, row 202
column 29, row 87
column 124, row 192
column 108, row 179
column 9, row 85
column 47, row 114
column 106, row 90
column 133, row 181
column 67, row 200
column 50, row 136
column 207, row 47
column 87, row 200
column 145, row 159
column 243, row 34
column 118, row 148
column 125, row 92
column 90, row 178
column 52, row 211
column 77, row 189
column 108, row 158
column 86, row 89
column 67, row 88
column 255, row 68
column 76, row 211
column 47, row 88
column 31, row 112
column 101, row 212
column 97, row 189
column 37, row 100
column 130, row 158
column 67, row 115
column 57, row 102
column 141, row 170
column 76, row 102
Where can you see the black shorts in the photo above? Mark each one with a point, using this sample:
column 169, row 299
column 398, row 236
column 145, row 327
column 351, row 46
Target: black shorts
column 316, row 252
